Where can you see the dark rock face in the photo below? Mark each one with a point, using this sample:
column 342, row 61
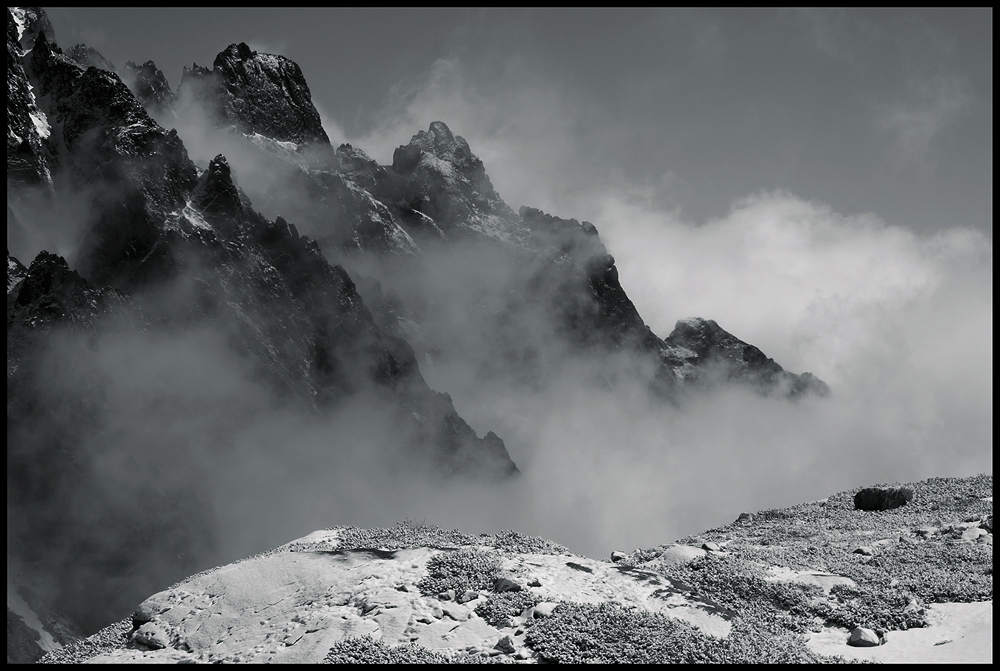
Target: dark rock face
column 34, row 22
column 22, row 641
column 90, row 57
column 437, row 175
column 258, row 93
column 149, row 85
column 740, row 361
column 594, row 308
column 873, row 498
column 29, row 156
column 137, row 171
column 15, row 270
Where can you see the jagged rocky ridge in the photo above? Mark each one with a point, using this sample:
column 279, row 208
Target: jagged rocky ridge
column 153, row 214
column 436, row 195
column 158, row 226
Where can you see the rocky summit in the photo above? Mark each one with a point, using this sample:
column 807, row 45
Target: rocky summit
column 257, row 93
column 776, row 586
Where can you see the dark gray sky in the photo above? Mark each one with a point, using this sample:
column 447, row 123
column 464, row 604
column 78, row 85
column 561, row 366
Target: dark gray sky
column 883, row 111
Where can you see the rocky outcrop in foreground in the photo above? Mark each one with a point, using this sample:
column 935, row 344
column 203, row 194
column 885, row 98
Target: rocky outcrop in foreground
column 818, row 582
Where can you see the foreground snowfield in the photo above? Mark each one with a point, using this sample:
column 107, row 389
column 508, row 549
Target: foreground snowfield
column 959, row 633
column 778, row 585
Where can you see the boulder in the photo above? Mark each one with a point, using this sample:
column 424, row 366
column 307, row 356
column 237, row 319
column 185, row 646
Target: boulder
column 972, row 533
column 505, row 645
column 469, row 595
column 862, row 637
column 505, row 585
column 544, row 609
column 875, row 498
column 681, row 554
column 152, row 635
column 618, row 556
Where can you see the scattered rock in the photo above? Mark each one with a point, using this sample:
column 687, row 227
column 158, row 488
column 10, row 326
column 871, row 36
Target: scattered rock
column 862, row 637
column 534, row 583
column 913, row 607
column 711, row 546
column 988, row 524
column 151, row 635
column 618, row 556
column 505, row 585
column 505, row 645
column 680, row 554
column 544, row 609
column 469, row 595
column 864, row 550
column 402, row 588
column 456, row 613
column 745, row 517
column 973, row 533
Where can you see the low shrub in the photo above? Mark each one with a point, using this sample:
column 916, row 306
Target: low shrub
column 500, row 608
column 609, row 633
column 459, row 570
column 511, row 541
column 403, row 535
column 366, row 650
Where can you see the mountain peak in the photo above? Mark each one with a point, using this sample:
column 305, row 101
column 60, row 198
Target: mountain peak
column 90, row 57
column 258, row 93
column 234, row 52
column 741, row 361
column 149, row 85
column 31, row 22
column 439, row 141
column 215, row 194
column 444, row 180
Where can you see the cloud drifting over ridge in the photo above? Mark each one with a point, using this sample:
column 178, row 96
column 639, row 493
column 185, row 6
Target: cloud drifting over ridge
column 898, row 323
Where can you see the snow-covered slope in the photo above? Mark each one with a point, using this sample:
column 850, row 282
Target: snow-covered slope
column 777, row 586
